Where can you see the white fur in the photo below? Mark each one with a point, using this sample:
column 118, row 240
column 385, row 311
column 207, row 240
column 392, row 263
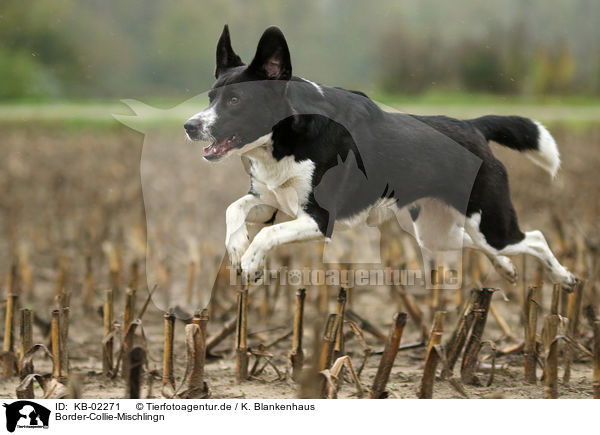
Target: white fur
column 207, row 118
column 533, row 244
column 476, row 240
column 247, row 208
column 284, row 184
column 547, row 155
column 374, row 215
column 301, row 229
column 439, row 227
column 262, row 141
column 319, row 88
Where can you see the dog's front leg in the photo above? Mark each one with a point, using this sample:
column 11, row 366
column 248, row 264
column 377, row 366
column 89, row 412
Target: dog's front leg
column 248, row 208
column 302, row 229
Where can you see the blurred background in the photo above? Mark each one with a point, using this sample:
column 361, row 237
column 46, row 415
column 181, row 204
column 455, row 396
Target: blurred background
column 85, row 49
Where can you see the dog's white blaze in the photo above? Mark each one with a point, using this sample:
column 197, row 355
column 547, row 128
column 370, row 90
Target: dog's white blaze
column 207, row 117
column 547, row 155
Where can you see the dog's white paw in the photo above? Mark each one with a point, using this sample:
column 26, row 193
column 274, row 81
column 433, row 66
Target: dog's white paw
column 252, row 262
column 560, row 275
column 237, row 244
column 568, row 281
column 506, row 268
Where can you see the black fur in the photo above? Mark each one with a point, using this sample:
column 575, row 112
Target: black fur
column 490, row 195
column 226, row 57
column 515, row 132
column 272, row 58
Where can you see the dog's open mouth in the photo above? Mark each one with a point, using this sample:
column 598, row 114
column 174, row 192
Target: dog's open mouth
column 220, row 147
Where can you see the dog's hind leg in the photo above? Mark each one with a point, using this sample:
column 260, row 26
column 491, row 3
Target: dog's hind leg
column 535, row 244
column 440, row 233
column 493, row 225
column 475, row 239
column 532, row 243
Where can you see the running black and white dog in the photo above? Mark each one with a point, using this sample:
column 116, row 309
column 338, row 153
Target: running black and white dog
column 291, row 132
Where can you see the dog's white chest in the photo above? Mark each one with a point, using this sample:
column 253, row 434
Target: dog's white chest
column 283, row 184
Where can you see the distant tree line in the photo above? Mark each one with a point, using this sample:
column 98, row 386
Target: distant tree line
column 501, row 63
column 137, row 48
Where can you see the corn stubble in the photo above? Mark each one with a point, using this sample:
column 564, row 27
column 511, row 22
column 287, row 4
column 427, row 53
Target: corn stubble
column 378, row 390
column 321, row 372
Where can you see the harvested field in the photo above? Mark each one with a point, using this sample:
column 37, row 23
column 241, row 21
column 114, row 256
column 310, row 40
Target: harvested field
column 75, row 213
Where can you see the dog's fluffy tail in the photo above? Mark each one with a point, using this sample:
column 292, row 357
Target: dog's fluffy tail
column 522, row 134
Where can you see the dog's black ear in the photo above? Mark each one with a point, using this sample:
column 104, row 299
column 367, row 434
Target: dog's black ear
column 272, row 58
column 226, row 57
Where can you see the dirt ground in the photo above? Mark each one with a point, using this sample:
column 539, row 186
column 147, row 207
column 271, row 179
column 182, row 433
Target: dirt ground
column 77, row 192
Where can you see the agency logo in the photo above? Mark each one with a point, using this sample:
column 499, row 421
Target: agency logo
column 24, row 414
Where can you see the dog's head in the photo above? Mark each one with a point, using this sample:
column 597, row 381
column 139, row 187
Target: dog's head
column 246, row 101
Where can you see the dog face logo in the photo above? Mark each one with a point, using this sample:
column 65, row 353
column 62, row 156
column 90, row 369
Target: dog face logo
column 26, row 414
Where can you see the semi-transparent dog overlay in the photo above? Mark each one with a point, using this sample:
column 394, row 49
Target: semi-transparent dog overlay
column 186, row 196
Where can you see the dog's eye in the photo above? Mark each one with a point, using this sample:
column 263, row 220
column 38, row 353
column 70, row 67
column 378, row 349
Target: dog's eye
column 234, row 100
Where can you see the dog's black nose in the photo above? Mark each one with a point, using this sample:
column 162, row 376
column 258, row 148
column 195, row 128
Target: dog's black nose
column 191, row 126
